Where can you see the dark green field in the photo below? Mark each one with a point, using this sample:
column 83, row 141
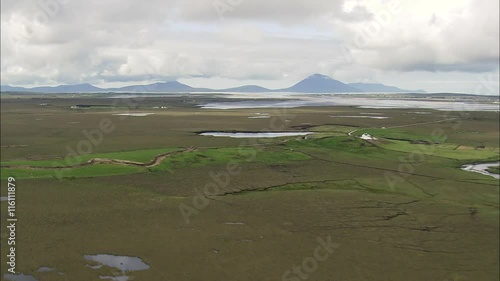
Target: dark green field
column 398, row 208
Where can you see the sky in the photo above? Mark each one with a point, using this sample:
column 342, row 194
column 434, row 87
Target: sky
column 438, row 46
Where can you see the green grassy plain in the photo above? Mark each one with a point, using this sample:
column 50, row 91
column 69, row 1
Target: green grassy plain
column 495, row 170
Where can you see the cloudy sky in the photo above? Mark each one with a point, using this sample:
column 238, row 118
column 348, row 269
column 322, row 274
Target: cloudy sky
column 445, row 45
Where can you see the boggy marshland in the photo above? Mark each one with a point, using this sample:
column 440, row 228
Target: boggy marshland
column 159, row 181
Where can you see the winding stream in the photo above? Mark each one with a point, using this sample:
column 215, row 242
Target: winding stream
column 482, row 169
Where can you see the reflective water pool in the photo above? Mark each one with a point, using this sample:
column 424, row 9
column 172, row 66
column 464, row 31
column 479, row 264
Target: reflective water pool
column 122, row 263
column 242, row 135
column 482, row 169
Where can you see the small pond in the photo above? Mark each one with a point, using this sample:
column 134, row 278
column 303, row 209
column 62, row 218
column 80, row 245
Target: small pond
column 123, row 263
column 242, row 135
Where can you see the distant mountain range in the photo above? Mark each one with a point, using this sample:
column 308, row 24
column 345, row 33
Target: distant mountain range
column 316, row 83
column 373, row 87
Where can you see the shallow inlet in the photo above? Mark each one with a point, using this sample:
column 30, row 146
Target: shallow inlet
column 482, row 169
column 314, row 100
column 242, row 135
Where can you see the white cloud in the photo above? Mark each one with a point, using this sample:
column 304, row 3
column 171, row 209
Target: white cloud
column 275, row 42
column 427, row 35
